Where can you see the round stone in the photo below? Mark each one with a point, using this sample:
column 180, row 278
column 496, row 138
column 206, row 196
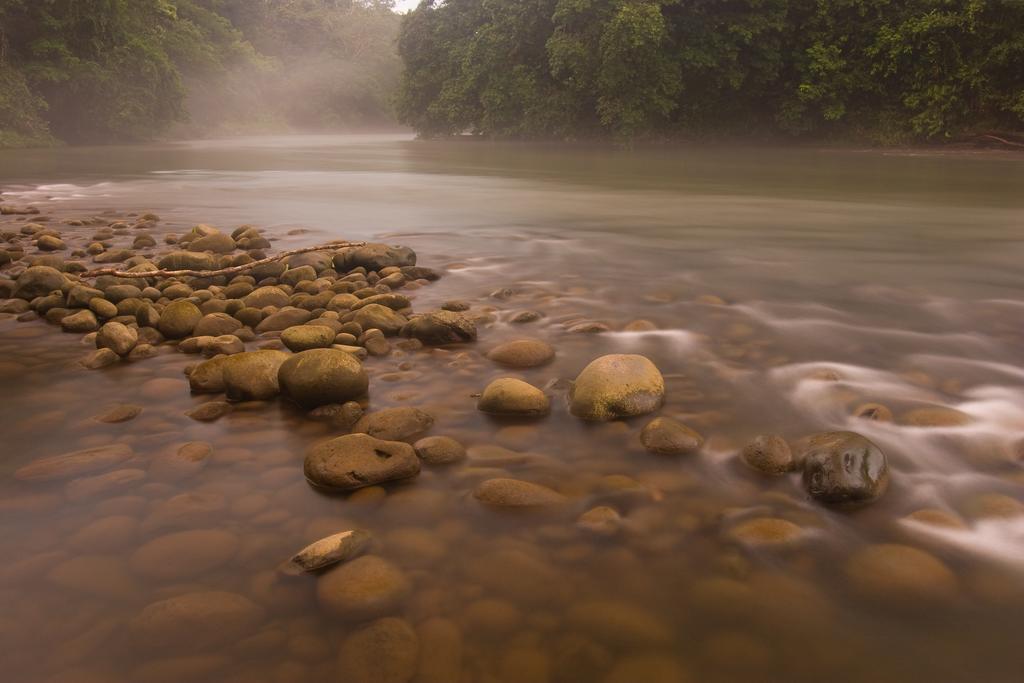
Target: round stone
column 900, row 574
column 266, row 296
column 440, row 450
column 515, row 493
column 666, row 436
column 195, row 621
column 935, row 416
column 117, row 337
column 440, row 328
column 844, row 468
column 253, row 375
column 364, row 588
column 617, row 386
column 522, row 353
column 395, row 424
column 513, row 397
column 385, row 651
column 319, row 377
column 184, row 555
column 768, row 454
column 305, row 337
column 354, row 461
column 765, row 531
column 178, row 319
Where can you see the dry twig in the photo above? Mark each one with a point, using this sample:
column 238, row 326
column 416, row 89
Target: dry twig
column 232, row 270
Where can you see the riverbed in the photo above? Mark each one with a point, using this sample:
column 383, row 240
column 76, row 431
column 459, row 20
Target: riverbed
column 778, row 291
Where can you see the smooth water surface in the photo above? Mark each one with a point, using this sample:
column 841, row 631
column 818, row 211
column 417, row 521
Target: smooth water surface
column 787, row 288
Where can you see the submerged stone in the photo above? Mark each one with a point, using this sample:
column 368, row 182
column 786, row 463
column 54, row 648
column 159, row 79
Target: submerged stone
column 844, row 469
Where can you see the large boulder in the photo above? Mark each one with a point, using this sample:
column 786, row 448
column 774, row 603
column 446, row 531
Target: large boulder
column 253, row 375
column 844, row 469
column 356, row 460
column 617, row 386
column 178, row 319
column 38, row 281
column 441, row 327
column 373, row 256
column 376, row 316
column 318, row 377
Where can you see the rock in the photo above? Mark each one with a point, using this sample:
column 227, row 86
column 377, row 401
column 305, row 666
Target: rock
column 357, row 460
column 765, row 531
column 900, row 574
column 992, row 506
column 393, row 301
column 226, row 344
column 50, row 243
column 283, row 319
column 522, row 353
column 650, row 668
column 844, row 468
column 83, row 321
column 102, row 484
column 340, row 547
column 377, row 346
column 873, row 411
column 385, row 651
column 253, row 375
column 294, row 276
column 184, row 554
column 117, row 337
column 179, row 319
column 523, row 317
column 216, row 325
column 440, row 328
column 935, row 416
column 79, row 296
column 75, row 463
column 340, row 415
column 320, row 377
column 122, row 412
column 373, row 257
column 440, row 450
column 103, row 308
column 513, row 397
column 194, row 622
column 100, row 358
column 441, row 650
column 38, row 281
column 216, row 242
column 666, row 436
column 180, row 462
column 187, row 260
column 266, row 296
column 600, row 521
column 617, row 386
column 395, row 424
column 380, row 317
column 619, row 623
column 305, row 337
column 208, row 376
column 210, row 411
column 515, row 493
column 364, row 588
column 768, row 454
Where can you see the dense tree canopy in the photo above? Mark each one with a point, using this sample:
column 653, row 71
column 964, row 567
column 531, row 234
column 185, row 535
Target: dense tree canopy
column 105, row 70
column 887, row 70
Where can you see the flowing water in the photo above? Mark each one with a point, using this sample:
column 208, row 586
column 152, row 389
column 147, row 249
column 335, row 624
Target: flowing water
column 786, row 288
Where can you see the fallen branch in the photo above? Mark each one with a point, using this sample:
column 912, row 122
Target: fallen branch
column 232, row 270
column 1011, row 143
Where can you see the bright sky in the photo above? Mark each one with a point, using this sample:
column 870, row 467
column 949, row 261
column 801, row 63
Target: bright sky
column 402, row 6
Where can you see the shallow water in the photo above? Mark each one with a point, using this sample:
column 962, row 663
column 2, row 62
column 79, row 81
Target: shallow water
column 787, row 288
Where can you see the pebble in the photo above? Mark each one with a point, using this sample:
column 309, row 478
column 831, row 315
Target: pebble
column 440, row 450
column 210, row 411
column 195, row 622
column 768, row 454
column 765, row 532
column 618, row 623
column 522, row 353
column 184, row 554
column 395, row 424
column 359, row 460
column 332, row 549
column 515, row 493
column 666, row 436
column 75, row 463
column 440, row 651
column 900, row 574
column 121, row 412
column 513, row 397
column 617, row 386
column 600, row 521
column 844, row 469
column 365, row 588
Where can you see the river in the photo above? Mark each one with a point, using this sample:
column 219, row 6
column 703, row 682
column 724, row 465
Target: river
column 783, row 288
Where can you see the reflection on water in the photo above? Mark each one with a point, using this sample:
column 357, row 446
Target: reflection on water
column 787, row 288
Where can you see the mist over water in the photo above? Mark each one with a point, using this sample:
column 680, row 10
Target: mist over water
column 787, row 287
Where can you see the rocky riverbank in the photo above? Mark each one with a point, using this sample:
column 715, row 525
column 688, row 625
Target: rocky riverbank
column 442, row 537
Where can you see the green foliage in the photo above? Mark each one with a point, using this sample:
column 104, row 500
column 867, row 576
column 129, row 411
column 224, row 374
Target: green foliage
column 127, row 70
column 886, row 70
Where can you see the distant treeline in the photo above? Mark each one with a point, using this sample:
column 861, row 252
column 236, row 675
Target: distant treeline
column 127, row 70
column 882, row 70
